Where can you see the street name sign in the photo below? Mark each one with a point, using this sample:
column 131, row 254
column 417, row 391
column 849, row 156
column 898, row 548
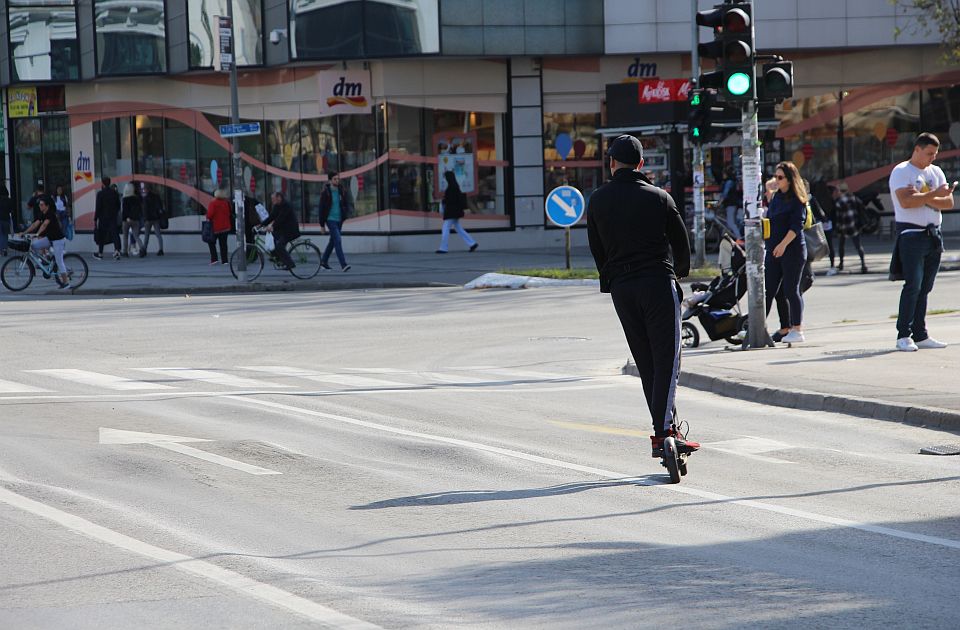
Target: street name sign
column 240, row 129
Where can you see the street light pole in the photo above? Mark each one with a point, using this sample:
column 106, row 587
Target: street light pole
column 699, row 259
column 236, row 170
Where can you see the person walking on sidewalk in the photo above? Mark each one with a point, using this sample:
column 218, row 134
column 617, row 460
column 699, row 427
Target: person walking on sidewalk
column 282, row 221
column 454, row 206
column 152, row 215
column 131, row 213
column 6, row 218
column 218, row 214
column 850, row 216
column 731, row 198
column 919, row 193
column 105, row 214
column 786, row 251
column 632, row 228
column 335, row 208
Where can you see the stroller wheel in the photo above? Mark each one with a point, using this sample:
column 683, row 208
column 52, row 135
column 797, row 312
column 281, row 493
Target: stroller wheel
column 689, row 336
column 738, row 338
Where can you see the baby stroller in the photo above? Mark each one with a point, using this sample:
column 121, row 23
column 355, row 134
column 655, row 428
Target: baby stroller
column 717, row 305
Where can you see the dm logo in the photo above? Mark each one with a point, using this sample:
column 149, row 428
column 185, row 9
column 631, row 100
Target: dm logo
column 347, row 93
column 84, row 169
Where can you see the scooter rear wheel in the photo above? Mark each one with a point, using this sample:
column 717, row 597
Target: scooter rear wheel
column 671, row 460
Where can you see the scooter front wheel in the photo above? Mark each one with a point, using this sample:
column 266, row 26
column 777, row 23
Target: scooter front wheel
column 671, row 459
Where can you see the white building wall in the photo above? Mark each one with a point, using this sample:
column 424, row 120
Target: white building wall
column 647, row 26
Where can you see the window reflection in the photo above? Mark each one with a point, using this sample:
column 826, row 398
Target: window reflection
column 130, row 36
column 43, row 42
column 363, row 28
column 205, row 37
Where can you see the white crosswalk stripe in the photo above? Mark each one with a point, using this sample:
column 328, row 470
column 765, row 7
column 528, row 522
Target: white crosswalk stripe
column 97, row 379
column 9, row 387
column 210, row 376
column 349, row 380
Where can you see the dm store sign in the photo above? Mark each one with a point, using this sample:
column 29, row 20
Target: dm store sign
column 344, row 92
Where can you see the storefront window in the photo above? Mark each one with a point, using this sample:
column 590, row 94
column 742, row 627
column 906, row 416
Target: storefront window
column 213, row 160
column 149, row 136
column 405, row 137
column 130, row 38
column 180, row 143
column 941, row 116
column 283, row 152
column 358, row 145
column 571, row 151
column 363, row 28
column 56, row 152
column 43, row 40
column 113, row 147
column 318, row 137
column 29, row 152
column 205, row 37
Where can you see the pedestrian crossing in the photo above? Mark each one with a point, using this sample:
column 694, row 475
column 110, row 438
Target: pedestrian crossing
column 279, row 378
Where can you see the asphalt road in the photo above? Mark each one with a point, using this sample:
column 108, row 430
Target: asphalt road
column 434, row 459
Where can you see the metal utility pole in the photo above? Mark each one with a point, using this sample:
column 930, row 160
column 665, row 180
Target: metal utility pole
column 757, row 336
column 698, row 179
column 236, row 170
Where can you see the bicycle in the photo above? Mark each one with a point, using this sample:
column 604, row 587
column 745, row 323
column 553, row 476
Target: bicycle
column 18, row 271
column 304, row 253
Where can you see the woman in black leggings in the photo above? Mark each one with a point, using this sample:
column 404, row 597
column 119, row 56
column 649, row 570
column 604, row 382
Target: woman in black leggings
column 786, row 249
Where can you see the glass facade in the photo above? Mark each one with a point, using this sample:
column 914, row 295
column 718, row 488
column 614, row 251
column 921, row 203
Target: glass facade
column 43, row 40
column 572, row 154
column 130, row 37
column 42, row 147
column 204, row 34
column 353, row 29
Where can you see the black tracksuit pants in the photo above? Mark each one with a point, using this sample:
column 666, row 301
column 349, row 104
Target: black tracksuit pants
column 649, row 311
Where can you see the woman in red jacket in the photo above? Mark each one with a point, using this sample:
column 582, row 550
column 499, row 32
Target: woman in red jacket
column 218, row 213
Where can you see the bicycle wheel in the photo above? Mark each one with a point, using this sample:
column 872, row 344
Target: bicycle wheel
column 307, row 257
column 254, row 262
column 17, row 273
column 77, row 269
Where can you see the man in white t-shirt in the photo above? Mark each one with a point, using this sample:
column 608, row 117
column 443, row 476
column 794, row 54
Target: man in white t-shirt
column 919, row 192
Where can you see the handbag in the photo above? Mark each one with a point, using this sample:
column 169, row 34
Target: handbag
column 268, row 242
column 206, row 232
column 68, row 231
column 164, row 220
column 816, row 240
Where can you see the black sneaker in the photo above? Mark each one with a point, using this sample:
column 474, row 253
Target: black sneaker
column 347, row 268
column 160, row 253
column 116, row 255
column 98, row 255
column 778, row 336
column 474, row 247
column 324, row 265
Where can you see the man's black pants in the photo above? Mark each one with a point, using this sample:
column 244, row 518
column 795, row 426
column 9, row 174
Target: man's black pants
column 649, row 311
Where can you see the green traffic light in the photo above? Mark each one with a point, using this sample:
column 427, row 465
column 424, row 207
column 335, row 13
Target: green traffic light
column 696, row 132
column 696, row 100
column 738, row 83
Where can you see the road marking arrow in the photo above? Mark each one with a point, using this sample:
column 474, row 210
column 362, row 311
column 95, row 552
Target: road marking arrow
column 566, row 207
column 174, row 443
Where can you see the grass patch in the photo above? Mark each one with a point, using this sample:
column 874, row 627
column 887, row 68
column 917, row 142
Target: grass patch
column 584, row 273
column 848, row 321
column 556, row 273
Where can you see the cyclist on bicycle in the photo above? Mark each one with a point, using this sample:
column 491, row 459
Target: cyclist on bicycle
column 49, row 233
column 282, row 221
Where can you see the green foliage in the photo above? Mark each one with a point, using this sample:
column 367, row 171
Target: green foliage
column 941, row 16
column 558, row 273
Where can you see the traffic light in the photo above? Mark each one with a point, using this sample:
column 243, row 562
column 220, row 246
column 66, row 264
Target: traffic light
column 700, row 116
column 775, row 82
column 732, row 49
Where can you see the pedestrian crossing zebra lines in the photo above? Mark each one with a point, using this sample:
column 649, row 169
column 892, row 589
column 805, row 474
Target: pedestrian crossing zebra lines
column 157, row 380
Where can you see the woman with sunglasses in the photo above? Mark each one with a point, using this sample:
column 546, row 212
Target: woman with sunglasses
column 786, row 248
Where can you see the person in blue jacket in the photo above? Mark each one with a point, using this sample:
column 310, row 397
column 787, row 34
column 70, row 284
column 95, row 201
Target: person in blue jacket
column 786, row 250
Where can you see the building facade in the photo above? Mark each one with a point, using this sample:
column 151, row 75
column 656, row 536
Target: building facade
column 511, row 95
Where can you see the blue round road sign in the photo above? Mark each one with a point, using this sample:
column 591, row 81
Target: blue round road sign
column 564, row 206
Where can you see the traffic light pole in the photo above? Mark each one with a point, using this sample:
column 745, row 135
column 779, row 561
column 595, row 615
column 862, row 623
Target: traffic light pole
column 237, row 172
column 757, row 336
column 699, row 259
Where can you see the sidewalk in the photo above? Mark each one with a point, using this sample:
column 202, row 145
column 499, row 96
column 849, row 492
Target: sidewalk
column 845, row 367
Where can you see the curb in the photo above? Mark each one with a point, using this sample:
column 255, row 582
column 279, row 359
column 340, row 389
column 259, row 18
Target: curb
column 255, row 287
column 813, row 401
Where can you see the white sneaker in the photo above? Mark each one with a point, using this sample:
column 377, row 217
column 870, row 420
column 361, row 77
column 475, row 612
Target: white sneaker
column 905, row 344
column 832, row 271
column 930, row 342
column 794, row 336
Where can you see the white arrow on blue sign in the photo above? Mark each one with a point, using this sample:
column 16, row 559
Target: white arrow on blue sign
column 564, row 206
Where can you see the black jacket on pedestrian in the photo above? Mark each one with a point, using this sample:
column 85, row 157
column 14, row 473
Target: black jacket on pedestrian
column 6, row 210
column 152, row 207
column 106, row 211
column 326, row 203
column 284, row 220
column 632, row 227
column 454, row 201
column 132, row 208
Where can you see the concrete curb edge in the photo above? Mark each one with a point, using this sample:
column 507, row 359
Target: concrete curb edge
column 934, row 417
